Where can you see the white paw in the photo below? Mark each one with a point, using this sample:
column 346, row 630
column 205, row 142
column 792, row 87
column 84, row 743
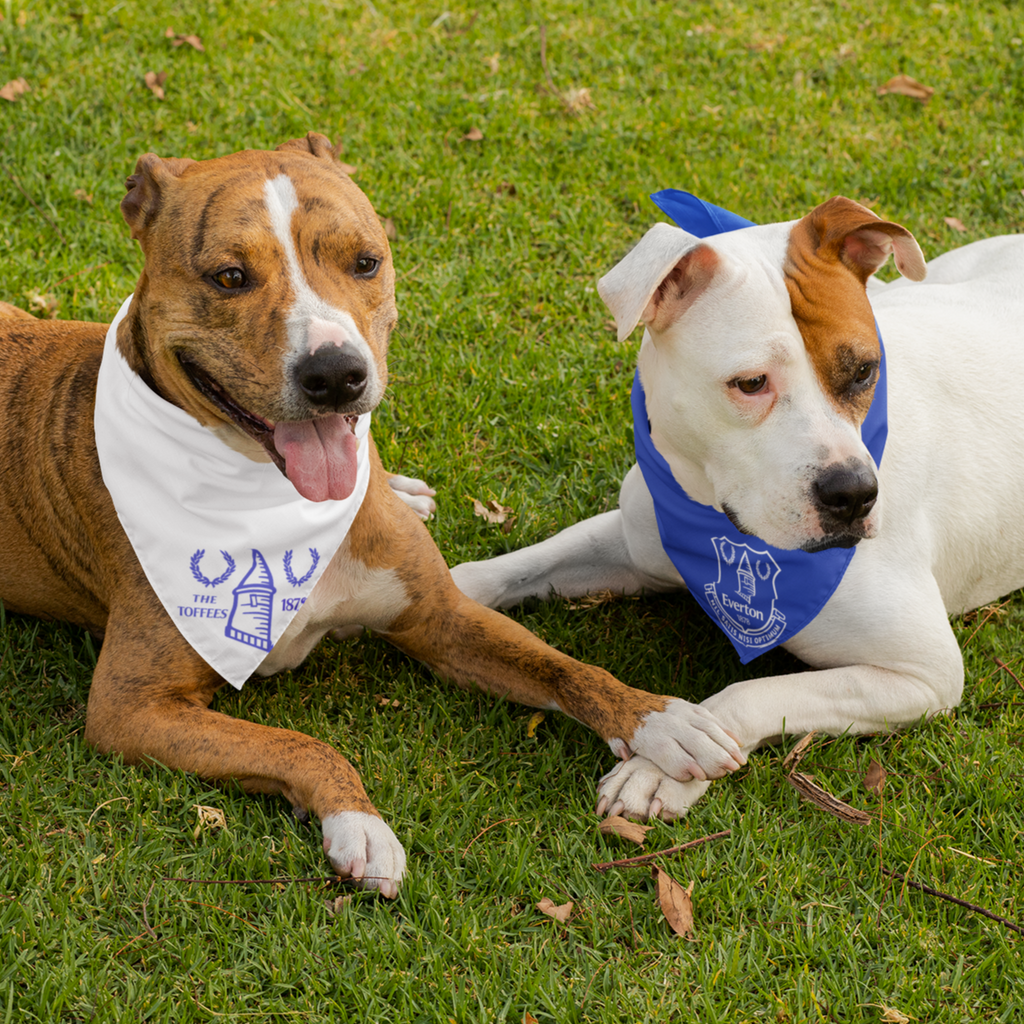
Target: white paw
column 639, row 789
column 362, row 847
column 415, row 493
column 687, row 742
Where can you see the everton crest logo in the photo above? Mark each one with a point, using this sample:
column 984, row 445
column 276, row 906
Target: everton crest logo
column 743, row 597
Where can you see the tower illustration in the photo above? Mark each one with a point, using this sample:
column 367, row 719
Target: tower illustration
column 745, row 585
column 249, row 622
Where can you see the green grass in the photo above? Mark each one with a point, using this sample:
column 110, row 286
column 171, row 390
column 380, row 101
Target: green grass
column 508, row 384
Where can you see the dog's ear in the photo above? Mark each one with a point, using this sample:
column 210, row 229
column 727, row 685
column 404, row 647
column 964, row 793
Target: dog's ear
column 145, row 186
column 315, row 143
column 844, row 231
column 658, row 280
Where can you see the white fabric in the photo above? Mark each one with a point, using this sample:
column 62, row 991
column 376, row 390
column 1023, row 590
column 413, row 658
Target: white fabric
column 230, row 547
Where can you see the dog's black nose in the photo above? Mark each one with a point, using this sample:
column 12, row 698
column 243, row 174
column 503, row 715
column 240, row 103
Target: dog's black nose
column 847, row 492
column 333, row 376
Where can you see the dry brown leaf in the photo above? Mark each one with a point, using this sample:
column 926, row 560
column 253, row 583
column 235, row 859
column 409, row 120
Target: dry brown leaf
column 389, row 228
column 43, row 303
column 792, row 759
column 535, row 719
column 619, row 826
column 335, row 906
column 528, row 1018
column 874, row 778
column 676, row 902
column 155, row 83
column 561, row 913
column 891, row 1016
column 955, row 223
column 904, row 85
column 387, row 702
column 180, row 39
column 80, row 193
column 473, row 135
column 209, row 817
column 13, row 89
column 506, row 188
column 811, row 791
column 492, row 511
column 578, row 100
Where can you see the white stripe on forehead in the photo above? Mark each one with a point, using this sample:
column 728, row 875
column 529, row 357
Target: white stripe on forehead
column 282, row 201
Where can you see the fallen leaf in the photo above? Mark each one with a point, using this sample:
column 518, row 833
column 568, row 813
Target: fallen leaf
column 473, row 135
column 46, row 304
column 209, row 817
column 811, row 791
column 492, row 62
column 13, row 89
column 334, row 906
column 506, row 188
column 619, row 826
column 792, row 759
column 578, row 100
column 891, row 1016
column 180, row 39
column 387, row 702
column 191, row 127
column 874, row 778
column 349, row 169
column 904, row 85
column 955, row 223
column 561, row 913
column 492, row 511
column 528, row 1018
column 155, row 83
column 675, row 901
column 389, row 228
column 535, row 719
column 80, row 193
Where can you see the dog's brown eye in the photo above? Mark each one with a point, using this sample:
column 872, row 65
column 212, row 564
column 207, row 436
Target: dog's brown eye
column 752, row 385
column 864, row 373
column 366, row 266
column 230, row 278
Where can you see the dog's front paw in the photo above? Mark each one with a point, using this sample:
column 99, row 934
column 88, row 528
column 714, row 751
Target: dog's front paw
column 637, row 788
column 687, row 742
column 415, row 493
column 363, row 848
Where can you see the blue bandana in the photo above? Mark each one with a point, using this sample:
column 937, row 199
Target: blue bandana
column 760, row 596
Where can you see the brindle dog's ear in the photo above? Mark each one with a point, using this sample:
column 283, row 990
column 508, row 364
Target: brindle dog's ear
column 315, row 143
column 151, row 176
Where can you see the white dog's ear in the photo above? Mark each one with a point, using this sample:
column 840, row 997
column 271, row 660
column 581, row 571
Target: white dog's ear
column 845, row 231
column 658, row 280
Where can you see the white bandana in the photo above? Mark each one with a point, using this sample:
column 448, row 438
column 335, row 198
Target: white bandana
column 229, row 545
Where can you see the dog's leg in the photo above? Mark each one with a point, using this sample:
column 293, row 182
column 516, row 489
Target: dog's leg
column 149, row 702
column 618, row 551
column 415, row 493
column 470, row 644
column 915, row 670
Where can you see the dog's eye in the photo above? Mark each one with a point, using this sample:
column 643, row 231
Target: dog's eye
column 231, row 278
column 864, row 373
column 752, row 385
column 366, row 266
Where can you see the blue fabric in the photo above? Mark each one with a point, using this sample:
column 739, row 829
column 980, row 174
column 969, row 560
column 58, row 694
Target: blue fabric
column 758, row 595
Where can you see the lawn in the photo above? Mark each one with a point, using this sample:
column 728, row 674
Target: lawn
column 513, row 147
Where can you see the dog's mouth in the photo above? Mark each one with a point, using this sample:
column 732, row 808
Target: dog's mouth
column 317, row 455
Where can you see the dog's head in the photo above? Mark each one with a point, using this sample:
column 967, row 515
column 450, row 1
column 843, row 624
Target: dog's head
column 759, row 364
column 266, row 303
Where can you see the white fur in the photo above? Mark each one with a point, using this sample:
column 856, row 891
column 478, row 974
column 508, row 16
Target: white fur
column 951, row 485
column 415, row 493
column 362, row 847
column 309, row 312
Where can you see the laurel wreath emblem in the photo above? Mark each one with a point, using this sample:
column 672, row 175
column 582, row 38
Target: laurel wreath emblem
column 728, row 556
column 205, row 580
column 767, row 569
column 290, row 576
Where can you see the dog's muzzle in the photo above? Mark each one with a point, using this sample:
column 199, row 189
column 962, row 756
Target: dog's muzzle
column 333, row 377
column 844, row 496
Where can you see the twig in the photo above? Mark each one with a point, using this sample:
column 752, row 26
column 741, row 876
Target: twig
column 84, row 270
column 331, row 879
column 500, row 821
column 544, row 58
column 1006, row 668
column 35, row 206
column 648, row 857
column 145, row 917
column 992, row 611
column 953, row 899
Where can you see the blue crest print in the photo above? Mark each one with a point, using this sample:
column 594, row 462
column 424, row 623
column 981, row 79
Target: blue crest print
column 205, row 580
column 249, row 622
column 290, row 576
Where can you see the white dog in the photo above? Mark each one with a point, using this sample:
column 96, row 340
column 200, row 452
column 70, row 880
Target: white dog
column 759, row 363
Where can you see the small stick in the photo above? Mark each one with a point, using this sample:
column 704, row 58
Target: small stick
column 332, row 879
column 145, row 917
column 953, row 899
column 1006, row 668
column 648, row 857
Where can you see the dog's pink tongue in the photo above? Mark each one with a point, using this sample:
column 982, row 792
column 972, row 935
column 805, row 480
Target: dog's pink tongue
column 319, row 456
